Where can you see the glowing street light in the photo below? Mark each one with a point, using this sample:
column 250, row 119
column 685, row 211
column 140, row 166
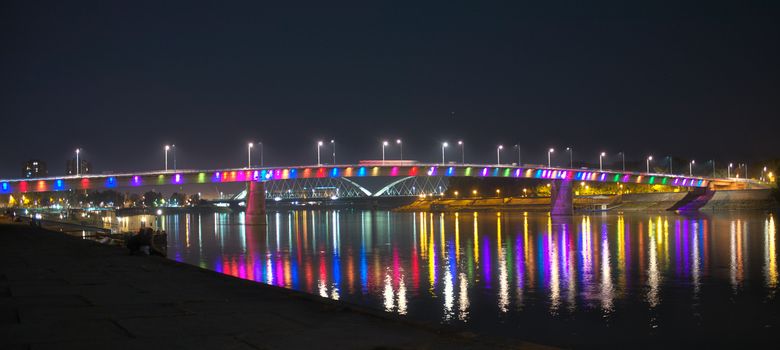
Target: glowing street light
column 401, row 146
column 571, row 156
column 77, row 161
column 498, row 154
column 384, row 144
column 173, row 148
column 601, row 155
column 728, row 170
column 333, row 146
column 167, row 148
column 690, row 167
column 549, row 159
column 319, row 144
column 249, row 154
column 443, row 146
column 648, row 163
column 462, row 152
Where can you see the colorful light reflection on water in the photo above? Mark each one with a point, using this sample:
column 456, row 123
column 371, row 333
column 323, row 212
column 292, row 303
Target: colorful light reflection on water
column 566, row 281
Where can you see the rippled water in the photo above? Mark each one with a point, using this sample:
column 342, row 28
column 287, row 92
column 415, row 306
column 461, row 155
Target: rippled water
column 581, row 280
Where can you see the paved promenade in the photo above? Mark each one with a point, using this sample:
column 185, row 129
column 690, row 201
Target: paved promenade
column 60, row 292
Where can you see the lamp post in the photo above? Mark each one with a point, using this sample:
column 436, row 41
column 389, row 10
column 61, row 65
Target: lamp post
column 462, row 152
column 384, row 144
column 549, row 159
column 261, row 153
column 519, row 160
column 167, row 148
column 623, row 159
column 498, row 154
column 443, row 146
column 401, row 147
column 713, row 168
column 648, row 163
column 728, row 170
column 690, row 167
column 601, row 155
column 333, row 146
column 249, row 154
column 763, row 175
column 319, row 144
column 671, row 170
column 77, row 161
column 571, row 156
column 173, row 148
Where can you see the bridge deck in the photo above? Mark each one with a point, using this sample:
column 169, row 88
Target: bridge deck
column 180, row 177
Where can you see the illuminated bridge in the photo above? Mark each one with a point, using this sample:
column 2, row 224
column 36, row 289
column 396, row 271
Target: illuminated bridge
column 404, row 179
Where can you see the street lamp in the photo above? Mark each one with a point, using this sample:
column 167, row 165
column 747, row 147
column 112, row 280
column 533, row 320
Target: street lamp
column 690, row 167
column 173, row 148
column 623, row 159
column 462, row 152
column 167, row 148
column 319, row 144
column 77, row 161
column 728, row 170
column 249, row 154
column 549, row 159
column 601, row 155
column 333, row 145
column 498, row 154
column 571, row 156
column 401, row 146
column 443, row 146
column 261, row 153
column 671, row 170
column 384, row 143
column 763, row 175
column 519, row 160
column 648, row 163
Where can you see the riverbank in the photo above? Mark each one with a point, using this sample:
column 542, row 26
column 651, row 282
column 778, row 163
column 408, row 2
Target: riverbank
column 763, row 199
column 58, row 291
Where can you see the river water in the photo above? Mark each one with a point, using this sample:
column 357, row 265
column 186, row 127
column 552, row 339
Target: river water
column 583, row 281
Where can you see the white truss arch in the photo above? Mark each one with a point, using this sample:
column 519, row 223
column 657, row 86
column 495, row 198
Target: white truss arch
column 414, row 186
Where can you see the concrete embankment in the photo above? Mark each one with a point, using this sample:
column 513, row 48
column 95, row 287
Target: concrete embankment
column 763, row 199
column 60, row 292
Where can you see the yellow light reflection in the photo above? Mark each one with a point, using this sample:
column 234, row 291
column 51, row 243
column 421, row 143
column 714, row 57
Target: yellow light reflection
column 770, row 252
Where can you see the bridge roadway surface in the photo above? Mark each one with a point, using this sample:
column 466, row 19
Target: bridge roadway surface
column 62, row 292
column 378, row 169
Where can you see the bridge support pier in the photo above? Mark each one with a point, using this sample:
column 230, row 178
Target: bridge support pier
column 561, row 197
column 255, row 203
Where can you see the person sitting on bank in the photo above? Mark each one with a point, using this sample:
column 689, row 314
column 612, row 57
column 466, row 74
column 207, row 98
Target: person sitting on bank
column 140, row 242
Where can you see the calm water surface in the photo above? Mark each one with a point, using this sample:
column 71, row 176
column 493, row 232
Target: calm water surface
column 581, row 280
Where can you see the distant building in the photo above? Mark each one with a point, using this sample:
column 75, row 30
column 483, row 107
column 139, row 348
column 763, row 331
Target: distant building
column 85, row 167
column 34, row 168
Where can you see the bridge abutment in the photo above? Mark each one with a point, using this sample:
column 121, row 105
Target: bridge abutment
column 255, row 203
column 561, row 197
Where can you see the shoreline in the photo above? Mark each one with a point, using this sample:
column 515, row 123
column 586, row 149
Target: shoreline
column 110, row 284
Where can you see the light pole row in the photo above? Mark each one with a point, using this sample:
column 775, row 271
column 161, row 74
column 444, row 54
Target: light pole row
column 445, row 145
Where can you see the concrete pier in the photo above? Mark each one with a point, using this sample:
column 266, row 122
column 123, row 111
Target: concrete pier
column 561, row 197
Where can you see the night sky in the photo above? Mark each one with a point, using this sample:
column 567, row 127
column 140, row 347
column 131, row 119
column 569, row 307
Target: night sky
column 122, row 78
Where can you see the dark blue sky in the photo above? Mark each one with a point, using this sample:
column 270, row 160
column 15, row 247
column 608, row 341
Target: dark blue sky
column 122, row 78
